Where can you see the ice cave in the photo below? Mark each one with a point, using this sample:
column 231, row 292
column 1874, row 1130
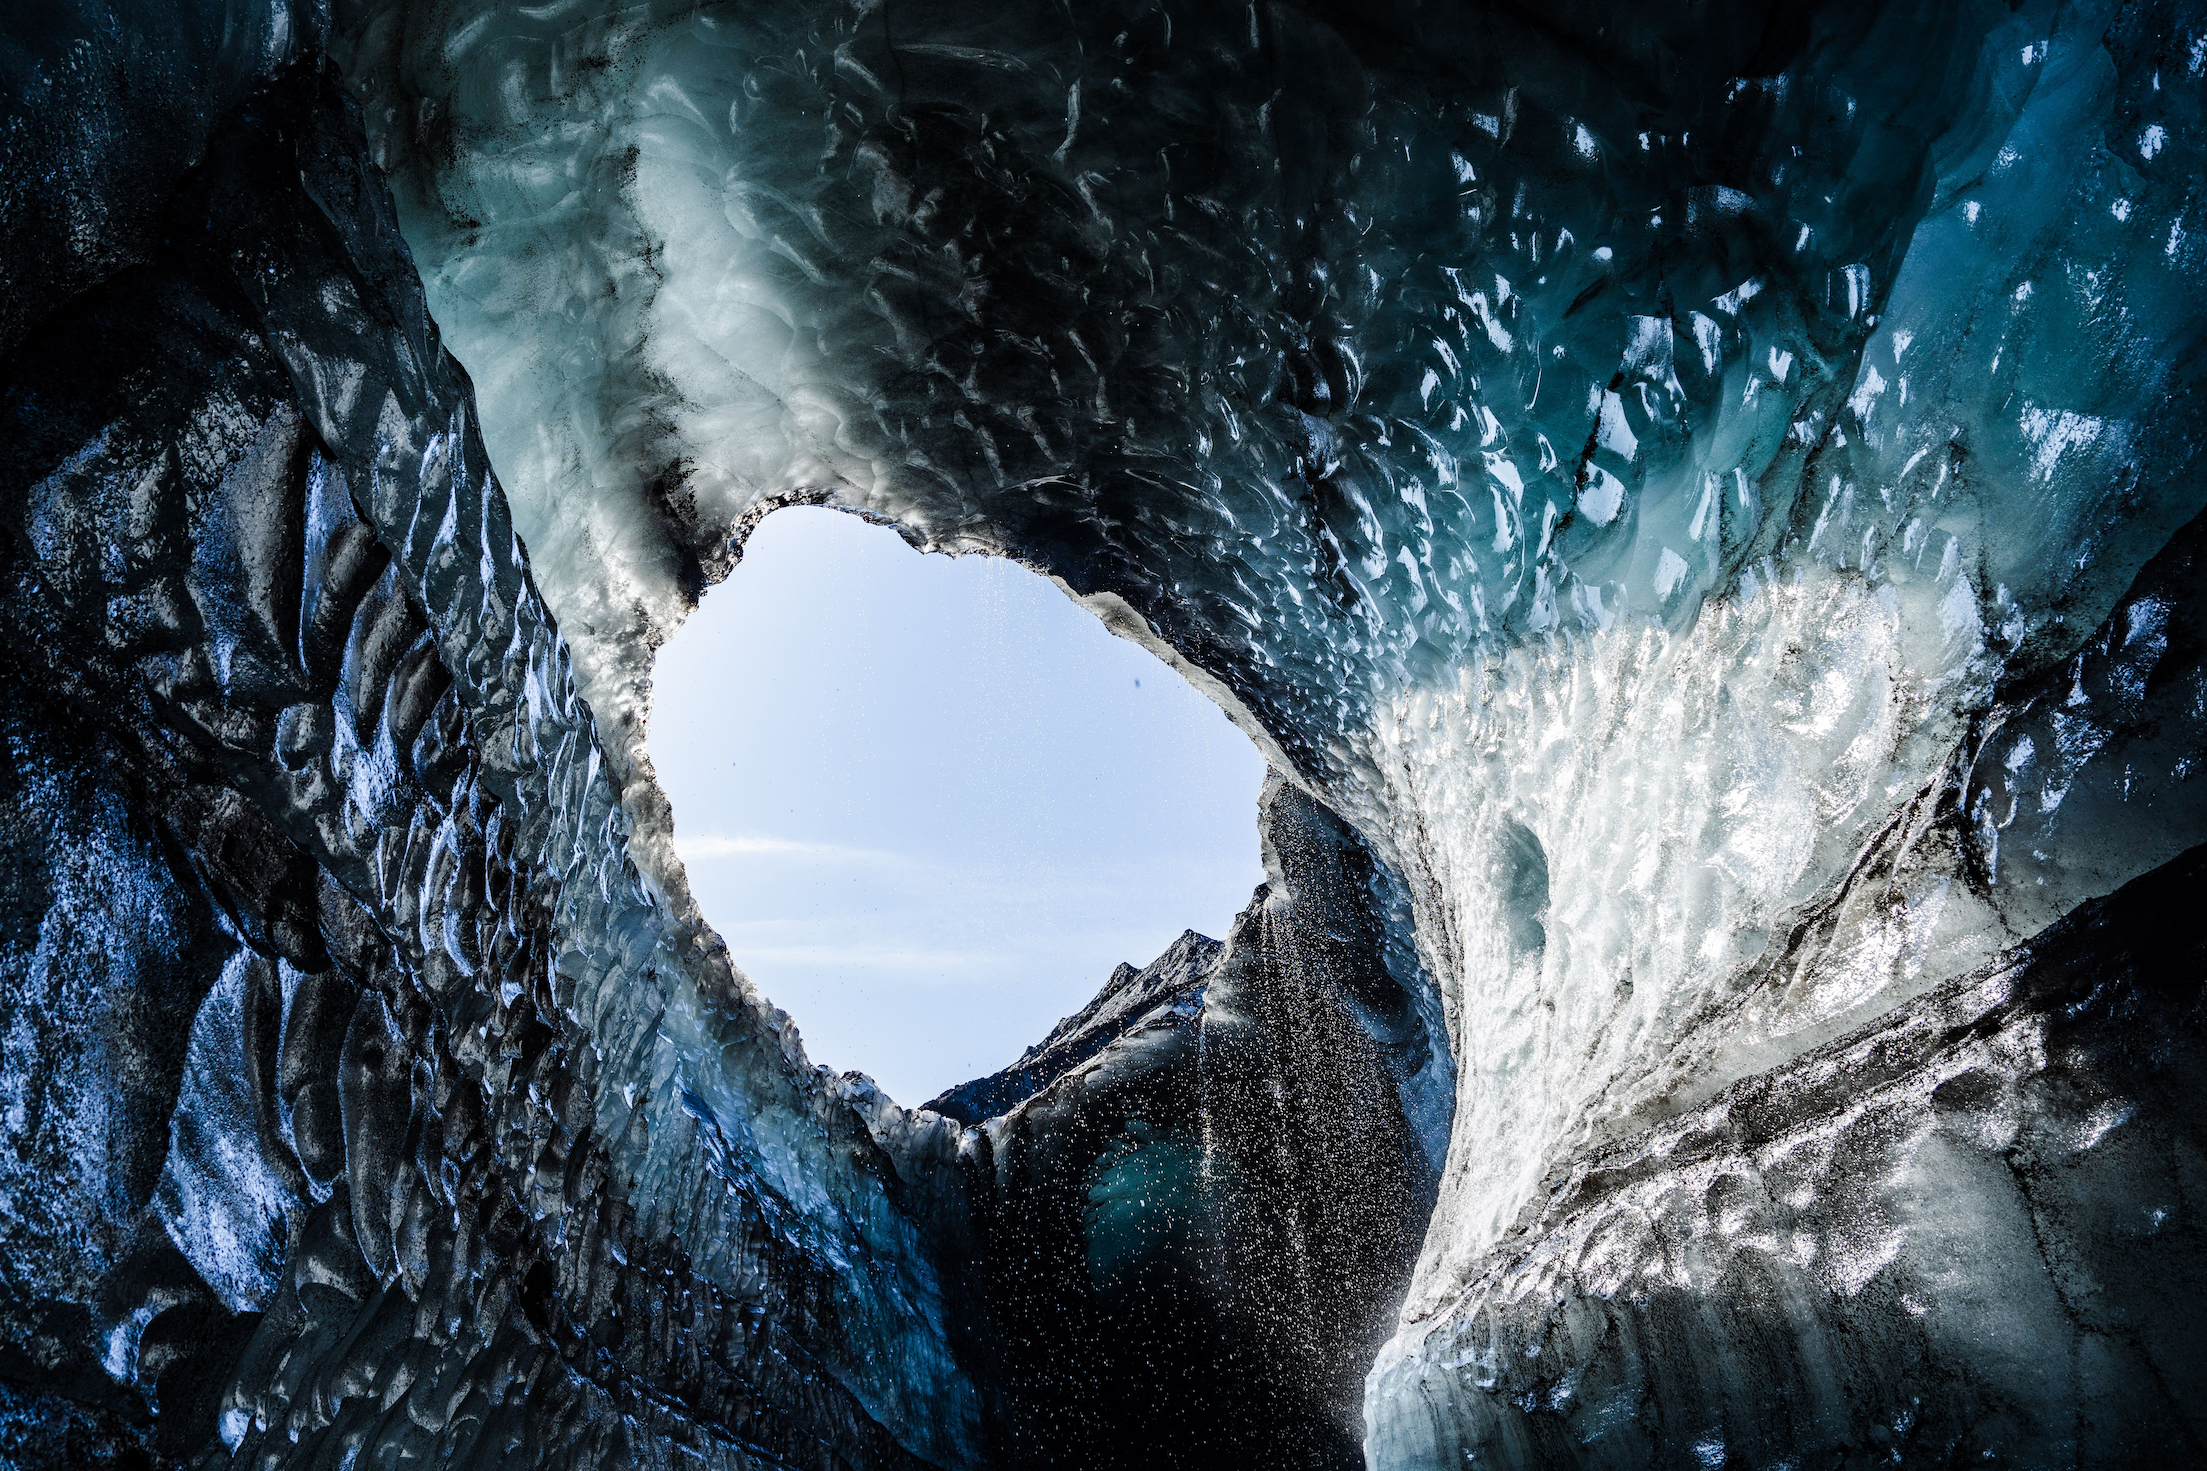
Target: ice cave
column 1698, row 505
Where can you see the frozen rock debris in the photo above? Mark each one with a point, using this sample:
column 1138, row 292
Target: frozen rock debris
column 1701, row 505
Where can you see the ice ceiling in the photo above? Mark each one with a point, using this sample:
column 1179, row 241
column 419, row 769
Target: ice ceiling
column 1697, row 504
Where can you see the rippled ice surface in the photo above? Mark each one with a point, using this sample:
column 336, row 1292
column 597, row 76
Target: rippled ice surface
column 1633, row 502
column 1707, row 496
column 1814, row 403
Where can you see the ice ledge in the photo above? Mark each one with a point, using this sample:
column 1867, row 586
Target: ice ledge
column 1964, row 1229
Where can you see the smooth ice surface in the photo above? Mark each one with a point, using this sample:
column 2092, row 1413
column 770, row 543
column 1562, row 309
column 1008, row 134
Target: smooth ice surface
column 930, row 802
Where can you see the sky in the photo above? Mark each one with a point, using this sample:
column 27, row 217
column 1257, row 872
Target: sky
column 930, row 802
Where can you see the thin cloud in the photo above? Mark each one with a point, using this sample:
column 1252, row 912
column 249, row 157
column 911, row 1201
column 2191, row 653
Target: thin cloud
column 706, row 847
column 982, row 884
column 866, row 957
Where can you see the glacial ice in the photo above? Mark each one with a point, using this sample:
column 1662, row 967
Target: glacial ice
column 353, row 745
column 1698, row 504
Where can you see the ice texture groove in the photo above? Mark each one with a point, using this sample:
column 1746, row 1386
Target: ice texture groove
column 1700, row 505
column 424, row 1148
column 1678, row 477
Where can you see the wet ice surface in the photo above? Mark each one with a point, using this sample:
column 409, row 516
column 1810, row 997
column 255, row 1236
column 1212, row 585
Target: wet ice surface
column 297, row 751
column 930, row 803
column 1701, row 512
column 1635, row 510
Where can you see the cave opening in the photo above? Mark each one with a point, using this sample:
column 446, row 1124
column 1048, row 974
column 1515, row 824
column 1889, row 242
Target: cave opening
column 931, row 802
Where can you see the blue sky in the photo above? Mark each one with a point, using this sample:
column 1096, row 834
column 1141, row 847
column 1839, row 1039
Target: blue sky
column 930, row 802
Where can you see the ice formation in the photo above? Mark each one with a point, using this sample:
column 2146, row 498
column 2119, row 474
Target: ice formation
column 1700, row 505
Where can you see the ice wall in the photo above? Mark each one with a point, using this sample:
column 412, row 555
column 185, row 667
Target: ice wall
column 1189, row 1218
column 1668, row 477
column 1706, row 493
column 364, row 1101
